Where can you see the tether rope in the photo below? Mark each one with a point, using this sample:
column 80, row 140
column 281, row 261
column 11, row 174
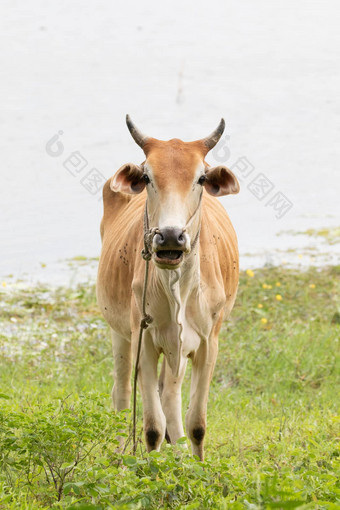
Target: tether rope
column 146, row 319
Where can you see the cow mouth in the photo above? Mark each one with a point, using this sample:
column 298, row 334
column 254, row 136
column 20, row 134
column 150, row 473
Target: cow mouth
column 169, row 257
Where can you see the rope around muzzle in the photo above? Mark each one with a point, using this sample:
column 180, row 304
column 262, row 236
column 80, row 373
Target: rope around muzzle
column 146, row 320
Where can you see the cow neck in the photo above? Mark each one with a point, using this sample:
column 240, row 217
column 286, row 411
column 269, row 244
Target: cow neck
column 176, row 284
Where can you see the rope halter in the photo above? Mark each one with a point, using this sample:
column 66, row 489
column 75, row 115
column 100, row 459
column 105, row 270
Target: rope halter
column 149, row 233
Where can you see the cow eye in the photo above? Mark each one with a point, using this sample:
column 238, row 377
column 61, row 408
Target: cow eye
column 146, row 179
column 201, row 180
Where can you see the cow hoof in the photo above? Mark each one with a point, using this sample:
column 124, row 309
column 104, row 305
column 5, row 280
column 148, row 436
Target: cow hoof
column 198, row 434
column 152, row 438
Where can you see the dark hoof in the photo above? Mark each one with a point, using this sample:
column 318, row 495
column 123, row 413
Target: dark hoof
column 152, row 436
column 198, row 434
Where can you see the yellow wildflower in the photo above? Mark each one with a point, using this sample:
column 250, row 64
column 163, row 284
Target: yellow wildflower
column 278, row 297
column 4, row 284
column 250, row 273
column 264, row 320
column 278, row 284
column 264, row 286
column 312, row 285
column 259, row 305
column 300, row 256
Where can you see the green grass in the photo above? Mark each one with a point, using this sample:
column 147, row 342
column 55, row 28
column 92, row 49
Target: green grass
column 273, row 415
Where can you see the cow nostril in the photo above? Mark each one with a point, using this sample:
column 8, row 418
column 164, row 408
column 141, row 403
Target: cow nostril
column 159, row 239
column 169, row 238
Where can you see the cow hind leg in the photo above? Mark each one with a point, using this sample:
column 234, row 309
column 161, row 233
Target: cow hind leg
column 171, row 398
column 121, row 391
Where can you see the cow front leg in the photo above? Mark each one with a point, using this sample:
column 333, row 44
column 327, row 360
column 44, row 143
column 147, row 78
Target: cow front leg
column 203, row 365
column 122, row 368
column 170, row 388
column 153, row 416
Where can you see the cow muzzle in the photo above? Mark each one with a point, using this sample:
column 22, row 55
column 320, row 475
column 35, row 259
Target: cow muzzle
column 169, row 245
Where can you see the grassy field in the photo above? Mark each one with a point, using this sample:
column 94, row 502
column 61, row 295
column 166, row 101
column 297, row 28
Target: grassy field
column 273, row 416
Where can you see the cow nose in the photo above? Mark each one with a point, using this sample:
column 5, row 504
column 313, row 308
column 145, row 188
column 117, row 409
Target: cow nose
column 170, row 238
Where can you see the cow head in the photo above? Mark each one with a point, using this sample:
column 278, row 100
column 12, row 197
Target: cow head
column 174, row 175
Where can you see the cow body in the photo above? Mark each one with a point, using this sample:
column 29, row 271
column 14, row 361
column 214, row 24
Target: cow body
column 187, row 303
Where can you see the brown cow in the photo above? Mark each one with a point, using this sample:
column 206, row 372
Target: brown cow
column 192, row 282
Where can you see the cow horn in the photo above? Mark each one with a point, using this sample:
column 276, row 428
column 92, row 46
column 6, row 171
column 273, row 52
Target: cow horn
column 211, row 140
column 137, row 135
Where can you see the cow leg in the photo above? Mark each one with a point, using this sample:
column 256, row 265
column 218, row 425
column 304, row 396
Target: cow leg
column 160, row 391
column 171, row 398
column 121, row 391
column 203, row 365
column 153, row 416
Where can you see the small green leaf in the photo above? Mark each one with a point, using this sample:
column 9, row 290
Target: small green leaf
column 67, row 465
column 129, row 460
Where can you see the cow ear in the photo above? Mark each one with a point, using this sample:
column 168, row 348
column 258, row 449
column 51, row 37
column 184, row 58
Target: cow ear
column 221, row 181
column 128, row 179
